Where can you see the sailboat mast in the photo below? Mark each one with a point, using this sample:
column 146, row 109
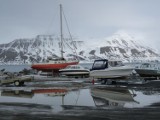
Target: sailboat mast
column 61, row 32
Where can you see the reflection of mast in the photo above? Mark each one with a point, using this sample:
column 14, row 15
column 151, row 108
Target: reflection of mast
column 63, row 99
column 77, row 97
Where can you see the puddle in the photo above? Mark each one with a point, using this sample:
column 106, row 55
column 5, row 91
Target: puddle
column 53, row 100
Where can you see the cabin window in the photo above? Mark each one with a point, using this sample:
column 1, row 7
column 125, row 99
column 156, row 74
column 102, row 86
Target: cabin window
column 145, row 66
column 115, row 63
column 120, row 63
column 78, row 67
column 100, row 64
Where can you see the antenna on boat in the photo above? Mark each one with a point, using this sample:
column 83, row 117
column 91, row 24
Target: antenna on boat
column 61, row 27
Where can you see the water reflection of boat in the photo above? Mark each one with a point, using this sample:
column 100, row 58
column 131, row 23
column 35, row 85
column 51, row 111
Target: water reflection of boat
column 30, row 94
column 111, row 96
column 50, row 92
column 17, row 93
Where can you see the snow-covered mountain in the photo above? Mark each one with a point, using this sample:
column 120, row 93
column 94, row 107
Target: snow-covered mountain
column 118, row 46
column 122, row 46
column 35, row 50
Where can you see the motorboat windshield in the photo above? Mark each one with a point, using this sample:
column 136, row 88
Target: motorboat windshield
column 149, row 66
column 73, row 67
column 100, row 64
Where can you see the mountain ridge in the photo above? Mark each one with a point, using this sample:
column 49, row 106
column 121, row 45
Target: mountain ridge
column 118, row 46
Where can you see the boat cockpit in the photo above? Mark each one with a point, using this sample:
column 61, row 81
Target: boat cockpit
column 149, row 66
column 100, row 64
column 104, row 63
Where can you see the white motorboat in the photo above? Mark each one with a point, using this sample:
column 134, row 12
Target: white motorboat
column 148, row 70
column 110, row 69
column 75, row 70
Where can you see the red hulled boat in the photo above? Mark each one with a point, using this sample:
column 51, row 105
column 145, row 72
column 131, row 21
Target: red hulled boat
column 53, row 65
column 56, row 64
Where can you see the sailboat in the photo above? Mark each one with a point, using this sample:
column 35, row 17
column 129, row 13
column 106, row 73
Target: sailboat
column 56, row 64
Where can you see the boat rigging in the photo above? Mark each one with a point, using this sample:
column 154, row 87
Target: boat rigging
column 55, row 65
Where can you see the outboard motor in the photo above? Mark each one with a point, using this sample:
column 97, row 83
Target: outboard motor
column 100, row 64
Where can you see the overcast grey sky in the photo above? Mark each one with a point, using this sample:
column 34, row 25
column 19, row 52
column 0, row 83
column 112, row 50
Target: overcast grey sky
column 86, row 18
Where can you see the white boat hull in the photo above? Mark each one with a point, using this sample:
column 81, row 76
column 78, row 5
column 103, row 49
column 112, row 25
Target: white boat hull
column 112, row 72
column 74, row 70
column 74, row 73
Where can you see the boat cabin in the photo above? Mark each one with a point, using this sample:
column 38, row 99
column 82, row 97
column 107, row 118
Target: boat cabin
column 104, row 63
column 73, row 67
column 115, row 63
column 152, row 66
column 100, row 64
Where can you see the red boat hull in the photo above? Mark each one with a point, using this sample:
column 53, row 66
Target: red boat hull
column 52, row 66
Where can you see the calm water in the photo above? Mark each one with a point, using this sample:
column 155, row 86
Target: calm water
column 85, row 97
column 14, row 68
